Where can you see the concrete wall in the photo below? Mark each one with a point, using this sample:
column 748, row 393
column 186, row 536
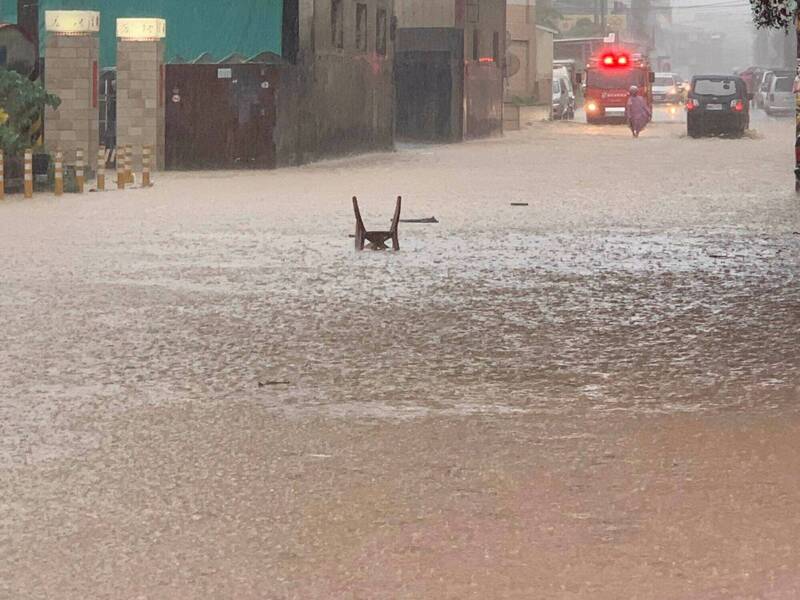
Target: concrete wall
column 480, row 85
column 342, row 99
column 521, row 25
column 69, row 75
column 483, row 80
column 425, row 50
column 544, row 64
column 487, row 17
column 425, row 13
column 140, row 98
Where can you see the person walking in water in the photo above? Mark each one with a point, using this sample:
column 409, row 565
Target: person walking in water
column 637, row 112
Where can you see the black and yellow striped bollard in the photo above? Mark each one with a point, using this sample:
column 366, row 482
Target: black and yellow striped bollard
column 58, row 172
column 28, row 173
column 129, row 164
column 80, row 165
column 120, row 168
column 101, row 169
column 146, row 157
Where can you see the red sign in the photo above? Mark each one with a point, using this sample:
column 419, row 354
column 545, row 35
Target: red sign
column 95, row 84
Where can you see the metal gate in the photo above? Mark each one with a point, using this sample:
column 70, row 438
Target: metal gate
column 424, row 87
column 220, row 116
column 108, row 108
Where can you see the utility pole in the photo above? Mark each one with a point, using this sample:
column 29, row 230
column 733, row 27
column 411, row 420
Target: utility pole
column 603, row 15
column 28, row 19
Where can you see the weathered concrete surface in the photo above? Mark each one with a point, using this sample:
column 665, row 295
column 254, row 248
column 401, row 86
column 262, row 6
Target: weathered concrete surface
column 71, row 74
column 344, row 95
column 595, row 396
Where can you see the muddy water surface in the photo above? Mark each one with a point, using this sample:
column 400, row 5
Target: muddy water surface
column 594, row 396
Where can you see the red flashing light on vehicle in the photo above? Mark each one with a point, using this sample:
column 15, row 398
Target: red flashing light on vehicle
column 614, row 60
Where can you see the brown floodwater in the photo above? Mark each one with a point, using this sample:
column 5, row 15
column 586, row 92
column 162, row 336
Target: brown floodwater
column 593, row 396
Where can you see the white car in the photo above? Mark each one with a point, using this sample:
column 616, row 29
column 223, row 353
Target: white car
column 563, row 94
column 780, row 99
column 762, row 95
column 666, row 89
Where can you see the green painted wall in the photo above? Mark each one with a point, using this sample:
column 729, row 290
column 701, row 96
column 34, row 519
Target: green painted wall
column 193, row 26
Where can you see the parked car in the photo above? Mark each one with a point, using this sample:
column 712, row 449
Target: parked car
column 683, row 86
column 561, row 102
column 717, row 104
column 562, row 87
column 763, row 87
column 665, row 88
column 780, row 99
column 572, row 71
column 766, row 84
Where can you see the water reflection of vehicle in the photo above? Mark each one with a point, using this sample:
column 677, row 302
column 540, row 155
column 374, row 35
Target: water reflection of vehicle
column 717, row 104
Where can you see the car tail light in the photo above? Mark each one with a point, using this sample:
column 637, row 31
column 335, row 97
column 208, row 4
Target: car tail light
column 737, row 105
column 691, row 104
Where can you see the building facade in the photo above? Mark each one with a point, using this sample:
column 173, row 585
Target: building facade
column 529, row 66
column 321, row 81
column 339, row 88
column 450, row 60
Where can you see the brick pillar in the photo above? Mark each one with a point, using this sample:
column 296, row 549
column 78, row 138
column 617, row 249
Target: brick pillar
column 140, row 98
column 71, row 73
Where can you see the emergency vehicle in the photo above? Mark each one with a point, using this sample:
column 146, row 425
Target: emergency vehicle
column 609, row 77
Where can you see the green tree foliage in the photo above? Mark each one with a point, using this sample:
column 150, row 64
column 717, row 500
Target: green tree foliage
column 774, row 14
column 585, row 28
column 23, row 102
column 548, row 16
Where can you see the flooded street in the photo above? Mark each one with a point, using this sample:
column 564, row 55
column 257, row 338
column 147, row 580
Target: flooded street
column 206, row 393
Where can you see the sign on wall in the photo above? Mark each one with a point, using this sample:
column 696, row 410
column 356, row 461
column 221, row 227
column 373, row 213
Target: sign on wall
column 141, row 29
column 72, row 22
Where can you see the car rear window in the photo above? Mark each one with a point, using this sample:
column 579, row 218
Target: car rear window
column 783, row 84
column 715, row 87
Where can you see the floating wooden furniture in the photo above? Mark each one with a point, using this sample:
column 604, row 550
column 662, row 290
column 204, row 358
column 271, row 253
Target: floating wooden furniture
column 377, row 239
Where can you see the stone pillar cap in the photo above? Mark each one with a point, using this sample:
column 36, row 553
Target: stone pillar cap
column 141, row 29
column 72, row 22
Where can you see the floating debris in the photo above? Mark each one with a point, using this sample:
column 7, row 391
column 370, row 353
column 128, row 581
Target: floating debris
column 425, row 220
column 262, row 384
